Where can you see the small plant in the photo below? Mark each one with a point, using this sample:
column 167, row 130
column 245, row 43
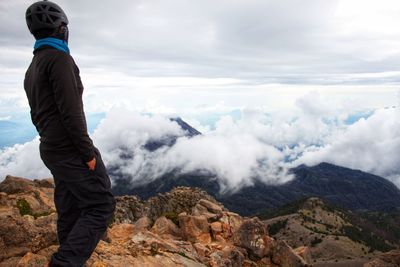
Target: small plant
column 40, row 214
column 316, row 241
column 274, row 228
column 173, row 216
column 110, row 223
column 24, row 207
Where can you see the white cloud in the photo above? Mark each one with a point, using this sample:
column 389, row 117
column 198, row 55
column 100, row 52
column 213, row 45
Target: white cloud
column 23, row 160
column 370, row 144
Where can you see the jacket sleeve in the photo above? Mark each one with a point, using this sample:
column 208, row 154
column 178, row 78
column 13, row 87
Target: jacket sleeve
column 64, row 79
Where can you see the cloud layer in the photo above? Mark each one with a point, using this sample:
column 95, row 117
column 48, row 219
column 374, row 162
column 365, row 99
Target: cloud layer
column 239, row 150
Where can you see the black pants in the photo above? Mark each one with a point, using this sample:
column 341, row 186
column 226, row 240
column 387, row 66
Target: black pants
column 84, row 203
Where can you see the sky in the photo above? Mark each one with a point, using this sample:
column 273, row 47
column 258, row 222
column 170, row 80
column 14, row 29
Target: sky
column 308, row 80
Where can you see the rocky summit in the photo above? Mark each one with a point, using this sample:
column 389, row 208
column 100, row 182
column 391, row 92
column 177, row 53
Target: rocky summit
column 183, row 227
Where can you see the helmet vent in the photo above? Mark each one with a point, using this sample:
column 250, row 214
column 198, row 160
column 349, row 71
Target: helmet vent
column 52, row 9
column 47, row 20
column 53, row 18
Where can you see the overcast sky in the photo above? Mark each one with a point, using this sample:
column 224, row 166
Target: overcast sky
column 296, row 72
column 179, row 56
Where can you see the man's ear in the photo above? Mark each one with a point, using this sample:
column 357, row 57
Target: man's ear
column 62, row 33
column 62, row 29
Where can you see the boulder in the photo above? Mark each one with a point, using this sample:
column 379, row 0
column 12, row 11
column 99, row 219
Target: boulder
column 232, row 219
column 283, row 255
column 202, row 250
column 252, row 235
column 14, row 185
column 210, row 206
column 305, row 253
column 165, row 227
column 33, row 260
column 228, row 256
column 121, row 233
column 19, row 235
column 129, row 209
column 27, row 218
column 142, row 224
column 199, row 210
column 45, row 183
column 216, row 229
column 195, row 228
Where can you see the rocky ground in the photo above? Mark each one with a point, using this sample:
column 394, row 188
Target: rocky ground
column 184, row 227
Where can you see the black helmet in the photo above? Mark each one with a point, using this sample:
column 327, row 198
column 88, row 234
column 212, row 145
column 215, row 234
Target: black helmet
column 45, row 15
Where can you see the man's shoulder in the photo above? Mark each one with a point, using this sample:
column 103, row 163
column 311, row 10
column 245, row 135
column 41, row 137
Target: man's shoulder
column 55, row 55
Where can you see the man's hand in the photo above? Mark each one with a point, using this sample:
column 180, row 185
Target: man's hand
column 92, row 164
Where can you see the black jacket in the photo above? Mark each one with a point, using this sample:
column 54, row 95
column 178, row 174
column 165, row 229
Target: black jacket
column 54, row 90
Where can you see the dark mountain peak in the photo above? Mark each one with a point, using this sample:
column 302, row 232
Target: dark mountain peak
column 185, row 126
column 170, row 140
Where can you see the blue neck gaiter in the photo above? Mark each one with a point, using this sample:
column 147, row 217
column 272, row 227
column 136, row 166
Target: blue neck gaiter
column 53, row 42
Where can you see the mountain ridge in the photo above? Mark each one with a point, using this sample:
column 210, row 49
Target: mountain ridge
column 352, row 189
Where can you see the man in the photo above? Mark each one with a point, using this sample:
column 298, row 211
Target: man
column 82, row 194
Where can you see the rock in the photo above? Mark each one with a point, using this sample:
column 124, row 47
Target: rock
column 216, row 229
column 202, row 250
column 211, row 210
column 142, row 224
column 181, row 199
column 200, row 210
column 129, row 209
column 229, row 256
column 21, row 234
column 178, row 200
column 13, row 185
column 33, row 260
column 195, row 228
column 46, row 183
column 149, row 244
column 121, row 233
column 48, row 252
column 218, row 260
column 266, row 261
column 13, row 261
column 283, row 255
column 305, row 253
column 252, row 235
column 29, row 197
column 234, row 255
column 165, row 227
column 249, row 263
column 211, row 207
column 232, row 219
column 388, row 259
